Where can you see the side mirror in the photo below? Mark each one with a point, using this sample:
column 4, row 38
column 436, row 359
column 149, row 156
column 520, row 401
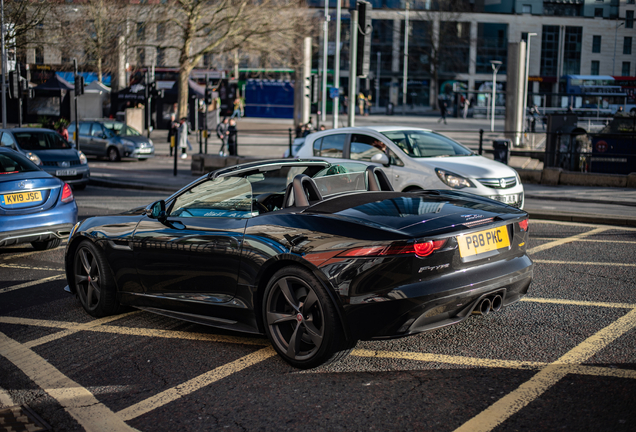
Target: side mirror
column 156, row 210
column 381, row 158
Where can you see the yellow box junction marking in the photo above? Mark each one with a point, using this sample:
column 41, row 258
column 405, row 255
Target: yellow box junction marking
column 512, row 403
column 91, row 414
column 32, row 283
column 195, row 384
column 565, row 240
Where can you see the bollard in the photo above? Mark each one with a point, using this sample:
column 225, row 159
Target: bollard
column 205, row 134
column 481, row 142
column 291, row 140
column 173, row 143
column 200, row 142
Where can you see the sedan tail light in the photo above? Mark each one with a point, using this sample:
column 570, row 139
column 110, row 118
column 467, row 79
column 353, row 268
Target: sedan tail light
column 67, row 194
column 524, row 225
column 421, row 249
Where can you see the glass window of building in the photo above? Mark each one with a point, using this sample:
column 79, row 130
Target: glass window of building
column 492, row 44
column 598, row 12
column 629, row 19
column 549, row 50
column 596, row 44
column 627, row 45
column 454, row 51
column 596, row 66
column 572, row 50
column 626, row 70
column 526, row 9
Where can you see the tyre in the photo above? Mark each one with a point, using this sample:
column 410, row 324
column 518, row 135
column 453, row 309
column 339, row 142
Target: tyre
column 46, row 244
column 301, row 321
column 94, row 283
column 113, row 154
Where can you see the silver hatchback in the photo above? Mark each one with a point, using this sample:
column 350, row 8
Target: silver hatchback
column 112, row 139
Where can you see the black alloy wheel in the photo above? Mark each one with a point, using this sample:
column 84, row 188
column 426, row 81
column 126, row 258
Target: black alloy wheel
column 301, row 321
column 93, row 281
column 113, row 154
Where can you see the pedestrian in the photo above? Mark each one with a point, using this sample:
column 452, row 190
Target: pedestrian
column 465, row 107
column 442, row 108
column 367, row 105
column 62, row 130
column 173, row 127
column 534, row 112
column 322, row 127
column 362, row 101
column 619, row 112
column 222, row 131
column 238, row 108
column 184, row 142
column 232, row 142
column 345, row 105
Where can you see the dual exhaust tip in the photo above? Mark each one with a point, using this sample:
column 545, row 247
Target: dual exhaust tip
column 487, row 304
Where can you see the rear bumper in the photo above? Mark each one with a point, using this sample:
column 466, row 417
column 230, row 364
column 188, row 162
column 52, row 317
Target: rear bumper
column 420, row 307
column 28, row 235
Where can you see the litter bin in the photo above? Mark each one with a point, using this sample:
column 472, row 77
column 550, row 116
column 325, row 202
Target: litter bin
column 501, row 150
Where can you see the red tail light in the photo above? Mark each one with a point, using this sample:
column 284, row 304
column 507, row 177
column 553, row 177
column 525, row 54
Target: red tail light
column 428, row 247
column 67, row 194
column 524, row 225
column 421, row 249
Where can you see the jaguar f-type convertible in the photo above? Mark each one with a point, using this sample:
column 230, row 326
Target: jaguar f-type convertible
column 315, row 255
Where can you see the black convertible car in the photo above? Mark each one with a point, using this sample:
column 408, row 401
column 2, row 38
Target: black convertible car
column 315, row 255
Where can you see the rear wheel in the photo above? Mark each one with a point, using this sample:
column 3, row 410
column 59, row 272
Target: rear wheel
column 301, row 321
column 113, row 154
column 46, row 244
column 94, row 283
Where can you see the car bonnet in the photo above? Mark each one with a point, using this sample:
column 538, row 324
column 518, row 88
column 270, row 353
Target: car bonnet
column 469, row 166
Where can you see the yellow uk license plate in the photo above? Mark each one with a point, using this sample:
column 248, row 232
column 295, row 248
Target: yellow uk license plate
column 483, row 241
column 22, row 197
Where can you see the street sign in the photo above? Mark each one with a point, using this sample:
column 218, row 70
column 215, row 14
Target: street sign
column 334, row 92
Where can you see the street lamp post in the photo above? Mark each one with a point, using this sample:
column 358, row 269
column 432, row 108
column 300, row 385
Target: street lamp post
column 4, row 68
column 336, row 67
column 525, row 89
column 325, row 61
column 377, row 80
column 496, row 64
column 615, row 40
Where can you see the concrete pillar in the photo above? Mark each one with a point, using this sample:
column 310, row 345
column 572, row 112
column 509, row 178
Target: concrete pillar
column 516, row 76
column 395, row 61
column 472, row 55
column 434, row 87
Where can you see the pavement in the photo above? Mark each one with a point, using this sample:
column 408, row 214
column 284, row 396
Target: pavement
column 269, row 138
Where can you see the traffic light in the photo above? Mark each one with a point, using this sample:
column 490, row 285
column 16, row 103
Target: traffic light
column 14, row 84
column 364, row 38
column 208, row 95
column 79, row 85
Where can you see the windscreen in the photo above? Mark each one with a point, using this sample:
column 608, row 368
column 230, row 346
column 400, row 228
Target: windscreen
column 422, row 144
column 121, row 129
column 41, row 140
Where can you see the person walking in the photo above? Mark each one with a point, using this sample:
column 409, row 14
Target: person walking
column 465, row 107
column 442, row 108
column 362, row 101
column 184, row 142
column 238, row 108
column 232, row 141
column 222, row 131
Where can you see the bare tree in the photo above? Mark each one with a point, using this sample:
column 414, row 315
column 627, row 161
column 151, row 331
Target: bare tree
column 202, row 27
column 93, row 33
column 25, row 24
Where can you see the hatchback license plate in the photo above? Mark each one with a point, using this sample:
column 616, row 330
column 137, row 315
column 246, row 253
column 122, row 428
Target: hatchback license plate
column 22, row 197
column 65, row 172
column 483, row 241
column 507, row 199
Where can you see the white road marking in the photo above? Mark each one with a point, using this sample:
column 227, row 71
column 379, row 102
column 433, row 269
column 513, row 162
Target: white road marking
column 586, row 263
column 5, row 399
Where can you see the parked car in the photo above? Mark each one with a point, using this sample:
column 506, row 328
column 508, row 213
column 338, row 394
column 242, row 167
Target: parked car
column 35, row 207
column 316, row 263
column 416, row 159
column 112, row 139
column 47, row 149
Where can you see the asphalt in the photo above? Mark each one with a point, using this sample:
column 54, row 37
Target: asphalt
column 268, row 139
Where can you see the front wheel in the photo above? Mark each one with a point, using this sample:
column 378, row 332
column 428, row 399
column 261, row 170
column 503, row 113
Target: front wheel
column 93, row 281
column 113, row 154
column 301, row 321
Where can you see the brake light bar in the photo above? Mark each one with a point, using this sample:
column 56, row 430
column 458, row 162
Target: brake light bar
column 67, row 194
column 421, row 249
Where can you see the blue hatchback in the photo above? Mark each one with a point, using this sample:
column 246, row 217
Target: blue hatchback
column 35, row 207
column 47, row 149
